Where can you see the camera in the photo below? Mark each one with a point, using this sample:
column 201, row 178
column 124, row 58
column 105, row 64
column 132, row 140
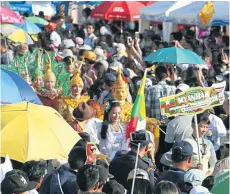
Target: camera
column 139, row 136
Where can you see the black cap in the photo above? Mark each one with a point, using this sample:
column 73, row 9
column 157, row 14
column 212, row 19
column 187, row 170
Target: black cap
column 181, row 151
column 109, row 79
column 103, row 174
column 113, row 187
column 16, row 181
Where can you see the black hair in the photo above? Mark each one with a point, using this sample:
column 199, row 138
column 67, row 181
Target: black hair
column 207, row 53
column 161, row 72
column 87, row 177
column 191, row 78
column 34, row 169
column 90, row 24
column 208, row 182
column 87, row 11
column 77, row 157
column 105, row 124
column 99, row 67
column 202, row 117
column 166, row 187
column 41, row 14
column 84, row 139
column 68, row 60
column 113, row 187
column 141, row 186
column 102, row 162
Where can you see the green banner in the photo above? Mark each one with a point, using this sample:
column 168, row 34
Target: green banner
column 192, row 101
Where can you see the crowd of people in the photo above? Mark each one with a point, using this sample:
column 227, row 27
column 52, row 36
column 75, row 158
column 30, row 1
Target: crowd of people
column 91, row 74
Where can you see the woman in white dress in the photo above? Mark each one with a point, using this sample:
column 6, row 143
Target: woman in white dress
column 112, row 133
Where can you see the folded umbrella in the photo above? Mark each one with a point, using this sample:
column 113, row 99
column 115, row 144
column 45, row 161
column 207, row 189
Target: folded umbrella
column 35, row 132
column 174, row 55
column 15, row 89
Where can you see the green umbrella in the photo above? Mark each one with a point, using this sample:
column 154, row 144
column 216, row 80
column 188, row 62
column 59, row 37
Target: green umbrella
column 221, row 185
column 174, row 55
column 37, row 20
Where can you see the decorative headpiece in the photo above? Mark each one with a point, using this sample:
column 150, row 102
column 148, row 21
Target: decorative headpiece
column 76, row 79
column 120, row 83
column 49, row 73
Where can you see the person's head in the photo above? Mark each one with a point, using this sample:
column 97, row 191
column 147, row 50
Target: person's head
column 41, row 14
column 90, row 58
column 49, row 79
column 182, row 152
column 144, row 138
column 76, row 85
column 113, row 187
column 203, row 123
column 35, row 171
column 164, row 187
column 142, row 184
column 88, row 178
column 191, row 76
column 90, row 28
column 112, row 115
column 4, row 46
column 16, row 181
column 208, row 182
column 109, row 79
column 161, row 73
column 103, row 176
column 226, row 102
column 22, row 49
column 77, row 158
column 193, row 178
column 83, row 112
column 181, row 88
column 69, row 64
column 207, row 56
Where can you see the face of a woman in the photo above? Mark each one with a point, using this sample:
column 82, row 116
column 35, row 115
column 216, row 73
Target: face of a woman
column 49, row 84
column 38, row 82
column 115, row 114
column 76, row 89
column 202, row 128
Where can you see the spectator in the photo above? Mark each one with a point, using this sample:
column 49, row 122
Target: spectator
column 142, row 184
column 208, row 182
column 63, row 179
column 182, row 160
column 121, row 165
column 90, row 38
column 88, row 178
column 207, row 151
column 164, row 187
column 7, row 55
column 16, row 181
column 113, row 187
column 35, row 172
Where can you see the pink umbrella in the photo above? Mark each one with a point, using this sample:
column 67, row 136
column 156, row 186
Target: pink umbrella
column 9, row 16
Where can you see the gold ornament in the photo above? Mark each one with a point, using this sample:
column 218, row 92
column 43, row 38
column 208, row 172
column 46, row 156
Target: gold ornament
column 49, row 74
column 206, row 13
column 119, row 83
column 76, row 79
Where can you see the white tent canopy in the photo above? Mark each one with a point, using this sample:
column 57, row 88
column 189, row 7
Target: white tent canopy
column 159, row 11
column 189, row 14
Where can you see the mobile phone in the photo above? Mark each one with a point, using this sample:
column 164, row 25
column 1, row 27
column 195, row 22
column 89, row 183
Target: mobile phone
column 137, row 35
column 129, row 40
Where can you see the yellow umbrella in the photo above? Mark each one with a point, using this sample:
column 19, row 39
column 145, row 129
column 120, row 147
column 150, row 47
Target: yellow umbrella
column 34, row 132
column 15, row 34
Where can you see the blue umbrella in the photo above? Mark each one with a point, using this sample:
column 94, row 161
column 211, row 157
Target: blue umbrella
column 92, row 3
column 15, row 89
column 29, row 27
column 174, row 55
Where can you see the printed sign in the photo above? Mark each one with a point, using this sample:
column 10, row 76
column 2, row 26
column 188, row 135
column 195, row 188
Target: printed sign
column 192, row 101
column 220, row 88
column 91, row 153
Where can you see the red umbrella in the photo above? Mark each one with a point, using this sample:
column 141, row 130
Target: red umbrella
column 118, row 10
column 9, row 16
column 147, row 3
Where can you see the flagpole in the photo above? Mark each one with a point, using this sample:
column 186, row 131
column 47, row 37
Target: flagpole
column 135, row 169
column 197, row 137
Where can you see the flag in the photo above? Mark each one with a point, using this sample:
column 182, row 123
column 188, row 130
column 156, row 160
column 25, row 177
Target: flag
column 138, row 115
column 167, row 102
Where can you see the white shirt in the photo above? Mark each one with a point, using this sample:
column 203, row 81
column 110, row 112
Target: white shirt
column 55, row 38
column 218, row 130
column 92, row 127
column 90, row 40
column 208, row 160
column 179, row 129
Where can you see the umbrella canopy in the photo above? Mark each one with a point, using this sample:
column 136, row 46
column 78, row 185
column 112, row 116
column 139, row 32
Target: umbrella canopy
column 189, row 14
column 37, row 20
column 118, row 10
column 11, row 83
column 93, row 3
column 15, row 34
column 174, row 55
column 9, row 16
column 221, row 185
column 159, row 11
column 29, row 27
column 42, row 133
column 147, row 3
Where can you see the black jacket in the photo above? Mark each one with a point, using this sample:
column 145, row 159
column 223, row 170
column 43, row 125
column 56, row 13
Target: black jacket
column 121, row 165
column 68, row 181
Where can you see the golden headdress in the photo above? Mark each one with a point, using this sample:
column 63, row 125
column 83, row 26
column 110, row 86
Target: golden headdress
column 120, row 82
column 76, row 79
column 49, row 74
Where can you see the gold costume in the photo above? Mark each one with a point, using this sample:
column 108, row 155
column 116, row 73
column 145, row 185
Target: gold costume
column 69, row 103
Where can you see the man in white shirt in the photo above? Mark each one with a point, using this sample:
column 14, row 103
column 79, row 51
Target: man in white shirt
column 90, row 38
